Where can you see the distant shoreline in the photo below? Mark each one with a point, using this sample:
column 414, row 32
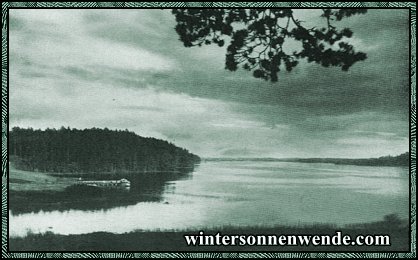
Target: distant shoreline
column 401, row 160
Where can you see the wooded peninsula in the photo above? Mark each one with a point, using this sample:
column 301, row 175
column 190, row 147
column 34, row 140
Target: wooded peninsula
column 93, row 151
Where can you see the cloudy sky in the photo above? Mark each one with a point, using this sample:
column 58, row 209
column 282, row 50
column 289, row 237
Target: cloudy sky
column 126, row 69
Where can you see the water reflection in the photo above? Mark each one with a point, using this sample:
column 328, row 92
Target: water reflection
column 232, row 194
column 147, row 187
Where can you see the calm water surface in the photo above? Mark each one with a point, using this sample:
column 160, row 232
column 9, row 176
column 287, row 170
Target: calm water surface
column 244, row 193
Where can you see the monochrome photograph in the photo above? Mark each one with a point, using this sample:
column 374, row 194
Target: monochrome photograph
column 223, row 129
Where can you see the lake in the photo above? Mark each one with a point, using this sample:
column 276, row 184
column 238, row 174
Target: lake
column 238, row 193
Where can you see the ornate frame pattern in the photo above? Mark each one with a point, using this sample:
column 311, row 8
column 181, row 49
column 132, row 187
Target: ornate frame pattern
column 5, row 102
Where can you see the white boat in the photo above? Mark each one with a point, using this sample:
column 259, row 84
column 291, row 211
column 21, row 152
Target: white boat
column 122, row 183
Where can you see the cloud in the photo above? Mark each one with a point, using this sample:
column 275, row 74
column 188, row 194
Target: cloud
column 126, row 68
column 61, row 40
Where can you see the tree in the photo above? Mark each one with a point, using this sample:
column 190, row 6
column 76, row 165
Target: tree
column 94, row 150
column 257, row 38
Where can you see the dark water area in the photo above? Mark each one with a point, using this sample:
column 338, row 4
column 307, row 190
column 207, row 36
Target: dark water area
column 145, row 187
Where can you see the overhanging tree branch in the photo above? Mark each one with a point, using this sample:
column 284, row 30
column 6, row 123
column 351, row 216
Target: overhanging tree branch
column 257, row 39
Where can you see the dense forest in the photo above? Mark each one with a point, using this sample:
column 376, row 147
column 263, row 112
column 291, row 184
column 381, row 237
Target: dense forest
column 94, row 150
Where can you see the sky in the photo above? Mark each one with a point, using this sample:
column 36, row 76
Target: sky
column 127, row 69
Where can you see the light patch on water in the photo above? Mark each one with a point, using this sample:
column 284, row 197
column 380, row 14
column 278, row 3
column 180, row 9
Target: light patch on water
column 148, row 216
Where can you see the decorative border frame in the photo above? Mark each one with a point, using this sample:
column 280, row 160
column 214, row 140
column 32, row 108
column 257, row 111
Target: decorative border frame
column 4, row 118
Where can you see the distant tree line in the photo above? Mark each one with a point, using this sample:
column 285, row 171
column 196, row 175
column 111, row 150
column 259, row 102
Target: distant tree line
column 94, row 150
column 400, row 160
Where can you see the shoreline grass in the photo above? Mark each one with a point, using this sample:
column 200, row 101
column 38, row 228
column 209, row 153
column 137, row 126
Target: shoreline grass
column 174, row 241
column 20, row 180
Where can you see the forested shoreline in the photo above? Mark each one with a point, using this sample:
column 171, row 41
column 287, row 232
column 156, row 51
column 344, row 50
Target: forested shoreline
column 94, row 150
column 401, row 160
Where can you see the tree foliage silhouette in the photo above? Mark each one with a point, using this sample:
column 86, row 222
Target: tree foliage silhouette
column 257, row 38
column 94, row 151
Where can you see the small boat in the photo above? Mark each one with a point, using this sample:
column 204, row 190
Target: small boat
column 122, row 183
